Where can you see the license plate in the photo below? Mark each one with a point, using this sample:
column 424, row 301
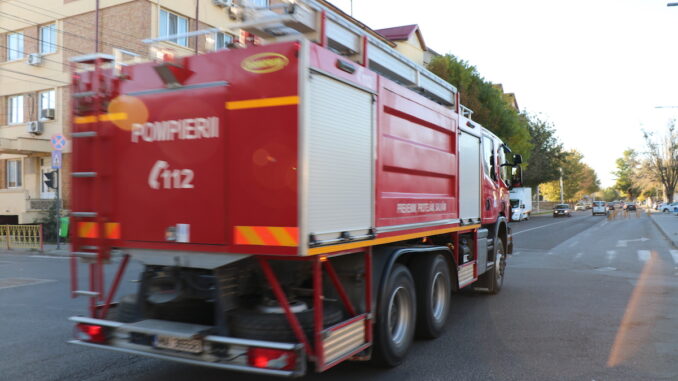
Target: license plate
column 178, row 344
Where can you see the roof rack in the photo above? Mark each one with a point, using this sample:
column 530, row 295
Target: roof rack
column 326, row 26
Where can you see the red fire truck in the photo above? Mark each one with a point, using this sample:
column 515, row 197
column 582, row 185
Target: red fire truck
column 314, row 198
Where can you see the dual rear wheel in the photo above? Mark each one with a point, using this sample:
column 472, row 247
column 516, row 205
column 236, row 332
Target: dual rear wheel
column 412, row 305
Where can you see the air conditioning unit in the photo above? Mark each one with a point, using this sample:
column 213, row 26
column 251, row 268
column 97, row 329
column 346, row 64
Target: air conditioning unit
column 47, row 113
column 35, row 127
column 34, row 59
column 222, row 3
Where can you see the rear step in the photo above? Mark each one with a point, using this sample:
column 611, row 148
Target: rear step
column 86, row 293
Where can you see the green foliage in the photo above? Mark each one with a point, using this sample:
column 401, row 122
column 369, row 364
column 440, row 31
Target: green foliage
column 579, row 179
column 610, row 194
column 547, row 153
column 490, row 109
column 528, row 135
column 626, row 175
column 49, row 224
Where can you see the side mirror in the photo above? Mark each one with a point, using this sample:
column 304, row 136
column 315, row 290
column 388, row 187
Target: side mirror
column 516, row 177
column 517, row 159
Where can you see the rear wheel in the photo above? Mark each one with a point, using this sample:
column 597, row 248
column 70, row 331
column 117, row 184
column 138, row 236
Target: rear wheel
column 433, row 287
column 394, row 329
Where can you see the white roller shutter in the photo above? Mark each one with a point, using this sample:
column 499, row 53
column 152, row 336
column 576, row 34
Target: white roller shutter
column 340, row 159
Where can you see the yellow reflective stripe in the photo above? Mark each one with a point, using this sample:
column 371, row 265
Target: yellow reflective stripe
column 113, row 116
column 84, row 119
column 103, row 118
column 283, row 237
column 250, row 235
column 381, row 241
column 262, row 102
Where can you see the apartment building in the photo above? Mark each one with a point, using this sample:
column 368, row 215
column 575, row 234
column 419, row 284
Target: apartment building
column 37, row 39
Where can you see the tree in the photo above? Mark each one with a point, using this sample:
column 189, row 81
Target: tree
column 608, row 194
column 663, row 158
column 627, row 177
column 547, row 153
column 578, row 179
column 490, row 108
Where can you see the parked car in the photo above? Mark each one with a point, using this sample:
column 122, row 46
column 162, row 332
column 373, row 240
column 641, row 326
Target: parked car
column 668, row 208
column 630, row 207
column 579, row 207
column 561, row 210
column 599, row 207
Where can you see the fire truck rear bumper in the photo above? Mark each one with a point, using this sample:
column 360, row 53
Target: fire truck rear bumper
column 228, row 353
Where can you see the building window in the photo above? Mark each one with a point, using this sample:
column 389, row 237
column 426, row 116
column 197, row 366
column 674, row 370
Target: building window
column 48, row 39
column 15, row 46
column 259, row 3
column 223, row 40
column 171, row 24
column 14, row 173
column 15, row 109
column 46, row 100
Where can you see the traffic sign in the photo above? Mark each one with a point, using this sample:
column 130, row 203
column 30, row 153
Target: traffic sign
column 58, row 142
column 56, row 159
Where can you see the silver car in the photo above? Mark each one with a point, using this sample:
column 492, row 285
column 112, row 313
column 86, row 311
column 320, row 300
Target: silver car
column 599, row 207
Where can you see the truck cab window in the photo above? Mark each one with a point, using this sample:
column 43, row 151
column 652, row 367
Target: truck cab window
column 488, row 157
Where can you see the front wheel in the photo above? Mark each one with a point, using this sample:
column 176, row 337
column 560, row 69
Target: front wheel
column 496, row 275
column 434, row 288
column 396, row 319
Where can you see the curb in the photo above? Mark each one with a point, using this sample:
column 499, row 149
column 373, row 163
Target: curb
column 50, row 253
column 664, row 232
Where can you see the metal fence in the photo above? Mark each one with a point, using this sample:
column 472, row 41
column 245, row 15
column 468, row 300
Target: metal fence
column 21, row 237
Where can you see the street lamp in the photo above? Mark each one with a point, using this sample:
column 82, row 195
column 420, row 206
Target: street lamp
column 561, row 185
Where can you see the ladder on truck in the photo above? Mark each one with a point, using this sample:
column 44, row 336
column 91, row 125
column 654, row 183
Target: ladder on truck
column 92, row 231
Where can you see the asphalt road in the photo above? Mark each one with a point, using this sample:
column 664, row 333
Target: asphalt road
column 584, row 298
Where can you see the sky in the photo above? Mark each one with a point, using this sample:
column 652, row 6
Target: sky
column 595, row 69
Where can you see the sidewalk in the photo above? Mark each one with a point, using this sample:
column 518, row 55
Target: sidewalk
column 49, row 249
column 668, row 225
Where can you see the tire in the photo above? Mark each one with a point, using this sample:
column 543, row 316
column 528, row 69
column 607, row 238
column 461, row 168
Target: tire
column 126, row 311
column 396, row 318
column 434, row 289
column 495, row 277
column 255, row 325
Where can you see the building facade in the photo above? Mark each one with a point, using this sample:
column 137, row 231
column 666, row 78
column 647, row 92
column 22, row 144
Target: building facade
column 37, row 39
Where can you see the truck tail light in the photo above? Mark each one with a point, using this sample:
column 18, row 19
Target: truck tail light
column 91, row 333
column 271, row 358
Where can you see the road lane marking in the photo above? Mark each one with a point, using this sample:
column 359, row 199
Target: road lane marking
column 539, row 227
column 674, row 254
column 610, row 255
column 578, row 256
column 644, row 255
column 621, row 243
column 18, row 282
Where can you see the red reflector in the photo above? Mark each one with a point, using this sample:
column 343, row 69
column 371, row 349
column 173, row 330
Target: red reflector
column 271, row 358
column 92, row 333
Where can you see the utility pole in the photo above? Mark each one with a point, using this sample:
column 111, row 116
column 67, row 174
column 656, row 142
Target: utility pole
column 58, row 211
column 561, row 185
